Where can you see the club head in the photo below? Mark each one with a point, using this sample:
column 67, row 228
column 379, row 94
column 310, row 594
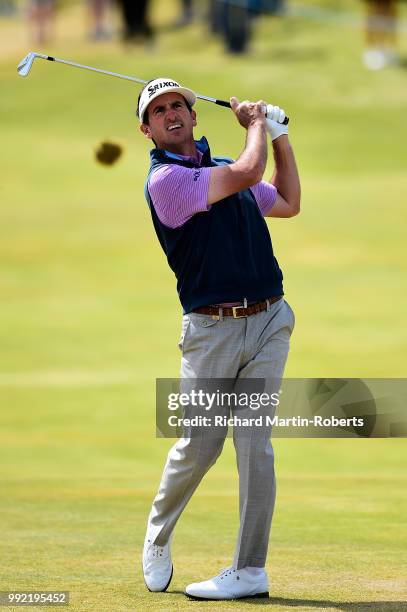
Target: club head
column 24, row 66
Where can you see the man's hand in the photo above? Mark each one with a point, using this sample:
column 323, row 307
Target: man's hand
column 275, row 117
column 248, row 113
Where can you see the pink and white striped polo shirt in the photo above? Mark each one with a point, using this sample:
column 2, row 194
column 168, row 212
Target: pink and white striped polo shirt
column 178, row 192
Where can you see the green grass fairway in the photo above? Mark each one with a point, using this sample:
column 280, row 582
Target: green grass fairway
column 90, row 317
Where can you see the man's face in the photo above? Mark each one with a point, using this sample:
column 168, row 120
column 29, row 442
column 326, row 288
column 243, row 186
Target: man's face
column 170, row 123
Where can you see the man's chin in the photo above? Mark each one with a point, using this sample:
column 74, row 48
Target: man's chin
column 176, row 134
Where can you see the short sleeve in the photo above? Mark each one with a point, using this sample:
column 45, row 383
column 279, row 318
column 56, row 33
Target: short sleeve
column 265, row 195
column 178, row 193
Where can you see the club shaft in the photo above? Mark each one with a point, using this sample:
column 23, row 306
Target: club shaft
column 124, row 76
column 114, row 74
column 131, row 78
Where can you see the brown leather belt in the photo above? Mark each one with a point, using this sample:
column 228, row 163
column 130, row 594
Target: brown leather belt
column 237, row 312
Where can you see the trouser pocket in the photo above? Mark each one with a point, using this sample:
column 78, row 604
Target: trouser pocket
column 184, row 328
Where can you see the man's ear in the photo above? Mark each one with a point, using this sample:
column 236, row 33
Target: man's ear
column 146, row 131
column 193, row 115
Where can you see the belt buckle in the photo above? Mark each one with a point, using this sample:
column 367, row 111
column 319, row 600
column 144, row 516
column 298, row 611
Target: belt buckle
column 235, row 316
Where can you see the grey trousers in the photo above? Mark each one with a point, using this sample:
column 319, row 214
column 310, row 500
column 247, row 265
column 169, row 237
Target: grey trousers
column 251, row 347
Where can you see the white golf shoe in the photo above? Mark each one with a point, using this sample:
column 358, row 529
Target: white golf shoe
column 230, row 584
column 157, row 565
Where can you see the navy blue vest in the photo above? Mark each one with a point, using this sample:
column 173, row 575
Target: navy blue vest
column 223, row 255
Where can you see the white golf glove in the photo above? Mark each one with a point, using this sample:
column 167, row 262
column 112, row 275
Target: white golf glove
column 274, row 121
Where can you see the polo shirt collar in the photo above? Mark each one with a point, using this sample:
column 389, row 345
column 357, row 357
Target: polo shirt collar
column 203, row 154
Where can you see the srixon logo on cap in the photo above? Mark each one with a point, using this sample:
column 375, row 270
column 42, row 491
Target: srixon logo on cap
column 153, row 88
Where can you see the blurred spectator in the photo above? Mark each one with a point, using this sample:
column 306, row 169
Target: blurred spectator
column 215, row 16
column 41, row 14
column 136, row 21
column 98, row 10
column 266, row 7
column 7, row 7
column 237, row 25
column 187, row 13
column 381, row 27
column 233, row 19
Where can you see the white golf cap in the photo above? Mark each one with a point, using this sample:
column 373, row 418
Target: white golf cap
column 161, row 86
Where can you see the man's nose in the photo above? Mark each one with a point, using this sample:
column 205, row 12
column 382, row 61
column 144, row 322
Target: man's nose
column 171, row 114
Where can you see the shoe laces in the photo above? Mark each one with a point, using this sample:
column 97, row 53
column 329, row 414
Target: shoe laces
column 227, row 572
column 155, row 550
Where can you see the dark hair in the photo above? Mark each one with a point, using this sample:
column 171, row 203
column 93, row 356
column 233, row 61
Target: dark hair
column 145, row 118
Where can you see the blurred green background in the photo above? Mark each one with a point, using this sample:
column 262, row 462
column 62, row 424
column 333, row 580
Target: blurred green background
column 90, row 315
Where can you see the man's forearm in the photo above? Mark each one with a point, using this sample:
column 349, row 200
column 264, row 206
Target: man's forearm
column 249, row 168
column 253, row 158
column 285, row 176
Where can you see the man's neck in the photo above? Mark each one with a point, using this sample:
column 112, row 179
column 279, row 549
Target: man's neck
column 188, row 149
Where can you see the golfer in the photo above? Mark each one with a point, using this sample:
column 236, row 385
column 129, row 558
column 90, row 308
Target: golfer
column 208, row 213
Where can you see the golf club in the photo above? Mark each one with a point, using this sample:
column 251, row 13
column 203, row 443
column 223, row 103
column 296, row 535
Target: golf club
column 25, row 66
